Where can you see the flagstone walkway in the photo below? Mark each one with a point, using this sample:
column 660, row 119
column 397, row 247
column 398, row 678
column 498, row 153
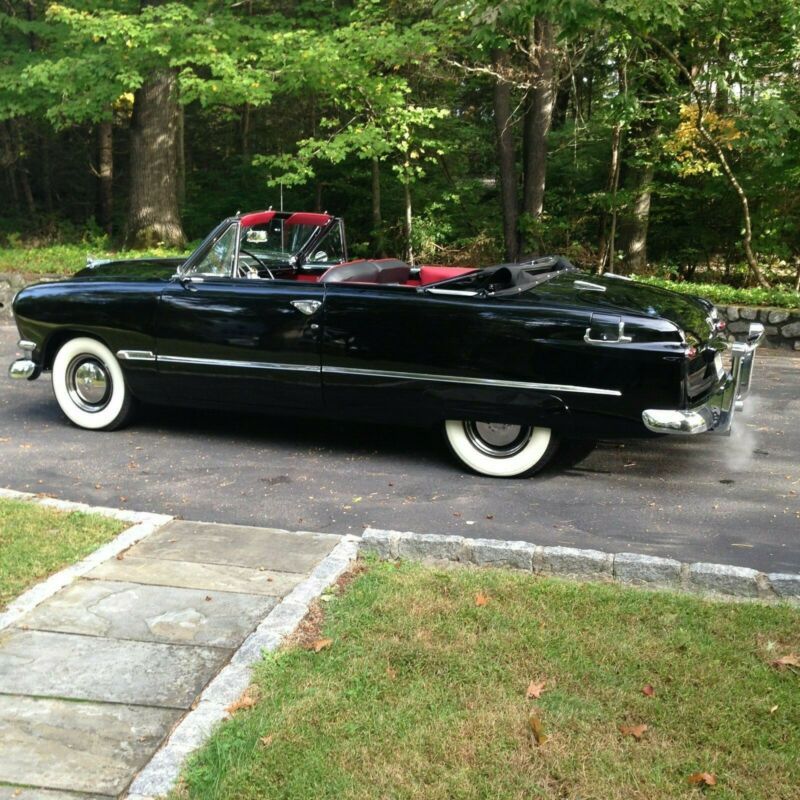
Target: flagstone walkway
column 95, row 678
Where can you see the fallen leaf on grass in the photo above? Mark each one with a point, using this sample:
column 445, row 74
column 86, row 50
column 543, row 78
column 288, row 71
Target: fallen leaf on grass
column 266, row 741
column 637, row 731
column 246, row 701
column 792, row 660
column 535, row 689
column 773, row 709
column 536, row 729
column 703, row 779
column 481, row 599
column 320, row 644
column 648, row 691
column 391, row 673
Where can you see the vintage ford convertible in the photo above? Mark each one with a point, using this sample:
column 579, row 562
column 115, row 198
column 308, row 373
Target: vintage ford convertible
column 269, row 314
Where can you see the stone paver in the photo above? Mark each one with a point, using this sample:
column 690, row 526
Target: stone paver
column 237, row 545
column 94, row 678
column 15, row 793
column 110, row 670
column 152, row 613
column 84, row 747
column 193, row 575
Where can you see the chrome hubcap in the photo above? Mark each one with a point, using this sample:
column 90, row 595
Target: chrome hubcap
column 88, row 383
column 498, row 439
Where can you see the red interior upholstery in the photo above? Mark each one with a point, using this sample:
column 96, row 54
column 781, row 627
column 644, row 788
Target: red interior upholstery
column 433, row 274
column 389, row 271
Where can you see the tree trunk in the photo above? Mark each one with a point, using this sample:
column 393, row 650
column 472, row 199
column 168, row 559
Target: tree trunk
column 105, row 175
column 608, row 238
column 538, row 119
column 153, row 214
column 377, row 215
column 501, row 101
column 409, row 220
column 318, row 186
column 21, row 169
column 7, row 160
column 635, row 233
column 245, row 132
column 180, row 155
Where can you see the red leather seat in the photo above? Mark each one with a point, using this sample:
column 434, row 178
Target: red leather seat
column 435, row 274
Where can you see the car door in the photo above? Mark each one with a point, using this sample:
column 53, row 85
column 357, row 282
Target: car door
column 224, row 341
column 394, row 353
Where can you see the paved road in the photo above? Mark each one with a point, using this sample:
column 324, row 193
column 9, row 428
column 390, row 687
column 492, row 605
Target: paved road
column 732, row 500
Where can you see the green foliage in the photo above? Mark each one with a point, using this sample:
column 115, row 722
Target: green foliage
column 290, row 102
column 721, row 294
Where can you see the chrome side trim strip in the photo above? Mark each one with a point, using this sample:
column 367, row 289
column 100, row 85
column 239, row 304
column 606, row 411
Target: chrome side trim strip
column 454, row 292
column 223, row 362
column 136, row 355
column 379, row 373
column 502, row 384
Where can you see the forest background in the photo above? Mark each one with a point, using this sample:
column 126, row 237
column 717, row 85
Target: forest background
column 655, row 137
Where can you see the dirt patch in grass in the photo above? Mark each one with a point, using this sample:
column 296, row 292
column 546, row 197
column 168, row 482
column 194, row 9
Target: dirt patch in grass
column 423, row 694
column 35, row 542
column 309, row 631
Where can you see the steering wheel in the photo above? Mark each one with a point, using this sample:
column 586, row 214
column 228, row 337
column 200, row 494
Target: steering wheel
column 260, row 262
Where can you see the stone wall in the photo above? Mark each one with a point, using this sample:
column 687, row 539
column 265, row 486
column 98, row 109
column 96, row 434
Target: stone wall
column 10, row 284
column 781, row 325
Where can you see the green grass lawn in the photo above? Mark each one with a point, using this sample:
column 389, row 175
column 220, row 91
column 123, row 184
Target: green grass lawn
column 422, row 694
column 35, row 542
column 66, row 259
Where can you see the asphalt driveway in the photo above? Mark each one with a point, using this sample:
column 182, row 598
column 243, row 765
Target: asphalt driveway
column 731, row 500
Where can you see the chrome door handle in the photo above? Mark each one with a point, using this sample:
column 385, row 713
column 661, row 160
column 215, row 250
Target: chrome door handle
column 621, row 337
column 307, row 307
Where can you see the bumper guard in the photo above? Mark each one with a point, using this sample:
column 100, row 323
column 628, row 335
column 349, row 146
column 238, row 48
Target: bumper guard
column 25, row 368
column 716, row 413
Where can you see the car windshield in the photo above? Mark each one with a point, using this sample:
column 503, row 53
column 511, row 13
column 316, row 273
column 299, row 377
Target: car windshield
column 276, row 240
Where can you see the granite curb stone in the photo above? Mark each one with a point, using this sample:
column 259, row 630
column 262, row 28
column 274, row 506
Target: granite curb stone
column 573, row 561
column 785, row 585
column 636, row 568
column 499, row 553
column 723, row 579
column 718, row 580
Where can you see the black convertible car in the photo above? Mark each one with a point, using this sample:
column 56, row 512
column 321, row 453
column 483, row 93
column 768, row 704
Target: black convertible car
column 269, row 314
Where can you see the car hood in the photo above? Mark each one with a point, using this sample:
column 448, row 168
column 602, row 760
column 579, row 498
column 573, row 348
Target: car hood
column 134, row 269
column 690, row 314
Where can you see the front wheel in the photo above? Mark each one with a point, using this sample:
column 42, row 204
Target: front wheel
column 89, row 385
column 500, row 450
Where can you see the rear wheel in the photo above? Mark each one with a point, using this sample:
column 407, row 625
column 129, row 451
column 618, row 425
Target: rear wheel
column 500, row 450
column 89, row 385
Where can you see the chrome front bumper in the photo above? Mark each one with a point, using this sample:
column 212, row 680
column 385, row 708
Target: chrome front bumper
column 716, row 413
column 25, row 368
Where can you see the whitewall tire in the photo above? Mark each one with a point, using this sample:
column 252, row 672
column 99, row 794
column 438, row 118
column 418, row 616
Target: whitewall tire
column 89, row 385
column 500, row 450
